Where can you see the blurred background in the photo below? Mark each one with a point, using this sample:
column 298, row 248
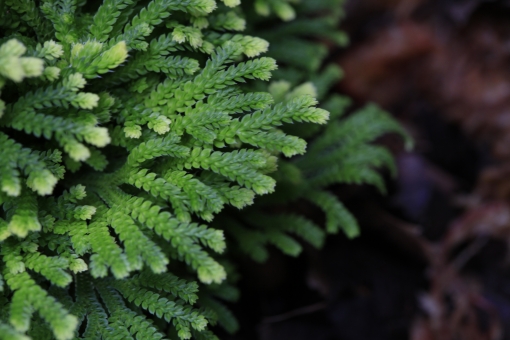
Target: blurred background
column 433, row 260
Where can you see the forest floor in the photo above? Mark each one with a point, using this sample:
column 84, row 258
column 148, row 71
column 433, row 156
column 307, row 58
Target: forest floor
column 432, row 260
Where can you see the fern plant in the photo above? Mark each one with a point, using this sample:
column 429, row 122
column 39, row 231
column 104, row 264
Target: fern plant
column 123, row 131
column 125, row 128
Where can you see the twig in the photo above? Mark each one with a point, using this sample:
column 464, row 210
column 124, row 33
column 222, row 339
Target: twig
column 461, row 260
column 296, row 312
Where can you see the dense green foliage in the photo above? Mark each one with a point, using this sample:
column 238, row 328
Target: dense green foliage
column 124, row 127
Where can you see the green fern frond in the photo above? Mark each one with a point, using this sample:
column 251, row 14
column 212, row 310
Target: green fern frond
column 126, row 127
